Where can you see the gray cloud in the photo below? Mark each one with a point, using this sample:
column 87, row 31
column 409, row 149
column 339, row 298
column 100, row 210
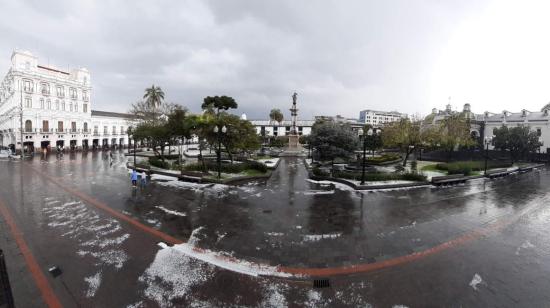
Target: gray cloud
column 341, row 56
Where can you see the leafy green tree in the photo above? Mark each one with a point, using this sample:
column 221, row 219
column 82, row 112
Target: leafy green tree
column 276, row 115
column 333, row 140
column 518, row 140
column 403, row 134
column 157, row 135
column 218, row 103
column 154, row 96
column 240, row 137
column 454, row 132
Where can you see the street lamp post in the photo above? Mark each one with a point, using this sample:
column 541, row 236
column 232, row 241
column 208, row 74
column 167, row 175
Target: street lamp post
column 221, row 131
column 487, row 142
column 362, row 134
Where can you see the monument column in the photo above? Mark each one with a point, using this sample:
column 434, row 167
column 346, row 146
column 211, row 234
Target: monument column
column 293, row 137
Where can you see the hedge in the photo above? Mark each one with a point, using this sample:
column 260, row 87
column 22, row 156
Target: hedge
column 227, row 168
column 466, row 167
column 156, row 162
column 383, row 158
column 380, row 176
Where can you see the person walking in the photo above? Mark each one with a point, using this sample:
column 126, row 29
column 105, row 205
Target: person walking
column 134, row 178
column 143, row 179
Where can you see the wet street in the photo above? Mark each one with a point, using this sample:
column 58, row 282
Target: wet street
column 172, row 243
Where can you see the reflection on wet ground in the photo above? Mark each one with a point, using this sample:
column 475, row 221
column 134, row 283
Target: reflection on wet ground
column 286, row 221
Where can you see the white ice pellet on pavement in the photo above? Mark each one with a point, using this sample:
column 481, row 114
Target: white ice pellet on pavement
column 93, row 284
column 475, row 281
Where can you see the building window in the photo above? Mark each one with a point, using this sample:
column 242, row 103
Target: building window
column 71, row 107
column 63, row 105
column 28, row 102
column 85, row 127
column 105, row 130
column 41, row 103
column 72, row 92
column 85, row 96
column 28, row 126
column 75, row 107
column 114, row 130
column 45, row 126
column 60, row 126
column 84, row 108
column 27, row 85
column 45, row 89
column 539, row 132
column 96, row 132
column 56, row 105
column 49, row 104
column 122, row 130
column 73, row 127
column 60, row 91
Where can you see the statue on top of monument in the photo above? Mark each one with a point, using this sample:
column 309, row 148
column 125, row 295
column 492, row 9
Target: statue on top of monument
column 294, row 96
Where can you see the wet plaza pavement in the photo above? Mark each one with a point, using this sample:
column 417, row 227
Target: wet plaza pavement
column 262, row 244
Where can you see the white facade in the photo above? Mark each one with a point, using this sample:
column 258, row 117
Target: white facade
column 538, row 121
column 379, row 118
column 49, row 107
column 274, row 128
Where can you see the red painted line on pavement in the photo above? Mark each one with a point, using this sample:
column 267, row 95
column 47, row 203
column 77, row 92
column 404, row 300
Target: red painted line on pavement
column 41, row 282
column 100, row 205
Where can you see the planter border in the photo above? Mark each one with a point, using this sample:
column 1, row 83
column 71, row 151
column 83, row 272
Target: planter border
column 202, row 179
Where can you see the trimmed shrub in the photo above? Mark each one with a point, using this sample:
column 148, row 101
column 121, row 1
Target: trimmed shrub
column 379, row 176
column 319, row 172
column 156, row 162
column 383, row 158
column 227, row 168
column 466, row 167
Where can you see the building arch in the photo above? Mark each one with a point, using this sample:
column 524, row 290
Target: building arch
column 28, row 126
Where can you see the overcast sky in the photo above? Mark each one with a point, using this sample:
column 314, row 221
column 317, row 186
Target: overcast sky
column 340, row 56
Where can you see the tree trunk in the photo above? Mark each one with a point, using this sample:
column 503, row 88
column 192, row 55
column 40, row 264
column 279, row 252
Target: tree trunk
column 406, row 157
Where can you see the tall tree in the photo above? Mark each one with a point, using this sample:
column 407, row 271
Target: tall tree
column 154, row 96
column 333, row 140
column 519, row 140
column 403, row 134
column 454, row 131
column 276, row 115
column 219, row 103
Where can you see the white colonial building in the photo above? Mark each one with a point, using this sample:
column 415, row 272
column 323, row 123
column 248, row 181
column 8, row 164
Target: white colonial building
column 44, row 107
column 538, row 121
column 483, row 125
column 274, row 128
column 379, row 118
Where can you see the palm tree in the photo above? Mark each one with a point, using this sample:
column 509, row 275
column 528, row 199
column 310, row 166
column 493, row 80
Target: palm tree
column 154, row 96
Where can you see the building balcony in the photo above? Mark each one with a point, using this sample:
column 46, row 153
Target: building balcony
column 46, row 130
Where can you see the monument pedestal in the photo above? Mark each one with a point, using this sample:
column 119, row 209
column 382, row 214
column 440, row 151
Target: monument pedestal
column 293, row 142
column 294, row 147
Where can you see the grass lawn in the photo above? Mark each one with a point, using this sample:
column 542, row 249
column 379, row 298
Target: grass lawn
column 432, row 167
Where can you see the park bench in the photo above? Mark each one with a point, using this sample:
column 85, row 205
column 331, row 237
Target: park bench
column 497, row 173
column 449, row 179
